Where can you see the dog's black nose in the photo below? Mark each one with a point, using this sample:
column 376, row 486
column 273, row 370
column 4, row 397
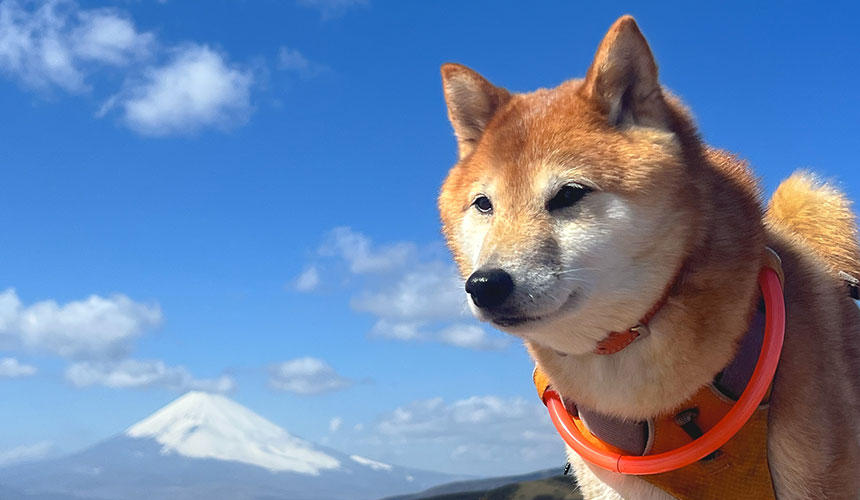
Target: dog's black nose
column 489, row 287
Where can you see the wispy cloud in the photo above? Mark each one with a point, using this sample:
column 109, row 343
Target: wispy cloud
column 480, row 433
column 293, row 61
column 472, row 337
column 131, row 373
column 362, row 255
column 12, row 368
column 309, row 280
column 412, row 296
column 422, row 291
column 333, row 8
column 54, row 44
column 108, row 36
column 96, row 327
column 26, row 453
column 306, row 376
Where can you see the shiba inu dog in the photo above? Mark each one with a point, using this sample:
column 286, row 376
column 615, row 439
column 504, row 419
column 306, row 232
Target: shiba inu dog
column 573, row 210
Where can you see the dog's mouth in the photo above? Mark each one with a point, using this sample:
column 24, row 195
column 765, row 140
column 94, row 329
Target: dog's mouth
column 512, row 321
column 516, row 321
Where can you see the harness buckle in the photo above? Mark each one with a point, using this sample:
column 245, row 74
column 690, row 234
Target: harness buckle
column 641, row 331
column 686, row 420
column 852, row 283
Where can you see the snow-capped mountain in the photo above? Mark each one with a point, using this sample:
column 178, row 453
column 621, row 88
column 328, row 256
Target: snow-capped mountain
column 202, row 425
column 205, row 446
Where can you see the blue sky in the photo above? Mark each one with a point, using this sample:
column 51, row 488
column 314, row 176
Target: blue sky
column 241, row 197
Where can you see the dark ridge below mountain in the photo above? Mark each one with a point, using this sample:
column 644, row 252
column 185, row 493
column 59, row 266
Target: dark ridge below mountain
column 546, row 484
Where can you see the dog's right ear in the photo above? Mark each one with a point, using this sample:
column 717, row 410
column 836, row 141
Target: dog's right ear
column 472, row 102
column 622, row 80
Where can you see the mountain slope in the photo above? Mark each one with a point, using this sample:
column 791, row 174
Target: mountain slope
column 203, row 446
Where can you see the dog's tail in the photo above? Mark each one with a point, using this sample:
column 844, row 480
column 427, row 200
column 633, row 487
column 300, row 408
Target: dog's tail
column 821, row 216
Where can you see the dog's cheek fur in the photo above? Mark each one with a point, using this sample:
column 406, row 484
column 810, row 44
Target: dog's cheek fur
column 470, row 236
column 453, row 206
column 616, row 261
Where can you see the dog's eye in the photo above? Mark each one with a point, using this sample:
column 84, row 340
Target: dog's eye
column 483, row 204
column 567, row 196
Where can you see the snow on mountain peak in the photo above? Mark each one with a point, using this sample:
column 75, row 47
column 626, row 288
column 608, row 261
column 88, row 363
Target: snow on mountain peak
column 204, row 425
column 373, row 464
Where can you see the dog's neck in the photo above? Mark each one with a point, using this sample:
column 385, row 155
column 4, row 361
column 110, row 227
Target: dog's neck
column 696, row 332
column 617, row 341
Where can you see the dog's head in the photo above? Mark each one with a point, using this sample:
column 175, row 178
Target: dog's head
column 570, row 209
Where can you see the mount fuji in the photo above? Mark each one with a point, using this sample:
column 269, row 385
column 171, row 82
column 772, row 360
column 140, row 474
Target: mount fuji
column 206, row 446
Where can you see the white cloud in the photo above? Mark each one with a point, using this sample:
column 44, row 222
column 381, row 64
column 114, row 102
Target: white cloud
column 432, row 417
column 472, row 337
column 130, row 373
column 306, row 376
column 98, row 334
column 169, row 89
column 25, row 453
column 430, row 291
column 309, row 280
column 397, row 330
column 56, row 44
column 96, row 327
column 362, row 256
column 12, row 368
column 335, row 424
column 412, row 297
column 108, row 37
column 479, row 433
column 197, row 88
column 332, row 8
column 293, row 61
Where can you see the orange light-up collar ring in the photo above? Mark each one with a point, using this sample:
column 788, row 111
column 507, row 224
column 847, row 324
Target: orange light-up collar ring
column 714, row 438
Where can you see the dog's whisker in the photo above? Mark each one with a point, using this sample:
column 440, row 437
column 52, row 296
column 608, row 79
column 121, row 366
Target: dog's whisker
column 571, row 278
column 567, row 271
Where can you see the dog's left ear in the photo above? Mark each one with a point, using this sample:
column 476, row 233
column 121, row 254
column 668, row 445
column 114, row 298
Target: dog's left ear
column 622, row 80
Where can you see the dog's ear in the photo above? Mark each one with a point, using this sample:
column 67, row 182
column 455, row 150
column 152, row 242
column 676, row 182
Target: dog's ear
column 472, row 102
column 622, row 80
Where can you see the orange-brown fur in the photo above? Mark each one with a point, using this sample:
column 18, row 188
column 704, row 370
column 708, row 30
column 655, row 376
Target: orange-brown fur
column 821, row 216
column 618, row 130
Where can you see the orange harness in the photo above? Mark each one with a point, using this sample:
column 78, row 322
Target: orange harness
column 738, row 469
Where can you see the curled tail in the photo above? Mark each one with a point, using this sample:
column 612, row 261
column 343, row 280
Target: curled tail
column 821, row 216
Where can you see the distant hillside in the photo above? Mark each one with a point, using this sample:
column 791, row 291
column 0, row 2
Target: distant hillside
column 541, row 485
column 208, row 447
column 9, row 494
